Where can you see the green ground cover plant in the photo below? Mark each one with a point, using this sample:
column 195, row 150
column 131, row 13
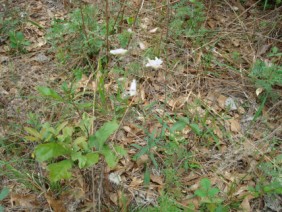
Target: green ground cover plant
column 135, row 113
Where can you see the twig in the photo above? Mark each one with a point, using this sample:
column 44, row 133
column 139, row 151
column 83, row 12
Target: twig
column 107, row 33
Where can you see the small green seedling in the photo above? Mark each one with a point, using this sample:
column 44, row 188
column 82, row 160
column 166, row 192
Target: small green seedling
column 208, row 195
column 18, row 41
column 3, row 194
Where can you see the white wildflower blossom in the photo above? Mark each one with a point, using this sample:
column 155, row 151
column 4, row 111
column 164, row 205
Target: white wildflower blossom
column 118, row 51
column 142, row 45
column 156, row 63
column 154, row 30
column 133, row 88
column 115, row 178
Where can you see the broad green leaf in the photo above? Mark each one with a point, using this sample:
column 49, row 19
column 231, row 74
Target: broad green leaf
column 110, row 156
column 80, row 143
column 4, row 193
column 92, row 159
column 48, row 92
column 31, row 138
column 101, row 135
column 68, row 131
column 213, row 191
column 33, row 132
column 200, row 193
column 205, row 183
column 48, row 151
column 81, row 159
column 86, row 123
column 121, row 151
column 59, row 171
column 196, row 129
column 60, row 127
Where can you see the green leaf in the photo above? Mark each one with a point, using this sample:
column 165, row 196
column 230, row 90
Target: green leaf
column 200, row 193
column 213, row 191
column 205, row 183
column 121, row 151
column 59, row 171
column 48, row 151
column 147, row 176
column 33, row 132
column 92, row 159
column 48, row 92
column 196, row 129
column 80, row 143
column 60, row 127
column 100, row 137
column 110, row 157
column 81, row 159
column 179, row 125
column 1, row 209
column 4, row 193
column 31, row 138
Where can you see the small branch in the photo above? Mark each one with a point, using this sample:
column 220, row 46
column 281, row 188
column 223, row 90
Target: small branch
column 107, row 33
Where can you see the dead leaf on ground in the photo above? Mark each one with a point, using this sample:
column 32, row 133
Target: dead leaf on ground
column 56, row 205
column 24, row 200
column 156, row 179
column 235, row 125
column 246, row 203
column 221, row 101
column 136, row 182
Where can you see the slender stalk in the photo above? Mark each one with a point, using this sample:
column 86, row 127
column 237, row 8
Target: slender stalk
column 107, row 33
column 83, row 24
column 166, row 59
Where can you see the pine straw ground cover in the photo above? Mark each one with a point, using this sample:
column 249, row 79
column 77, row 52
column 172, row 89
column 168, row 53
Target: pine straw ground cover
column 140, row 105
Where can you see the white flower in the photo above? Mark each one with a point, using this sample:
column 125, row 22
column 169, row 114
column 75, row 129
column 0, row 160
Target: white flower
column 154, row 30
column 133, row 88
column 142, row 45
column 115, row 178
column 156, row 63
column 118, row 51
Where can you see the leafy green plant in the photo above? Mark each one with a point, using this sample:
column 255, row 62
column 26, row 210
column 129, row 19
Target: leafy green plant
column 188, row 18
column 3, row 194
column 79, row 36
column 64, row 146
column 273, row 171
column 266, row 76
column 18, row 41
column 166, row 203
column 209, row 195
column 269, row 4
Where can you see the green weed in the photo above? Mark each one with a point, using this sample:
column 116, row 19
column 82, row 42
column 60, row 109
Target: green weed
column 18, row 41
column 209, row 196
column 271, row 170
column 74, row 144
column 266, row 76
column 3, row 194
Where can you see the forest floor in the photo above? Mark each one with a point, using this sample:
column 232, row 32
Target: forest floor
column 200, row 132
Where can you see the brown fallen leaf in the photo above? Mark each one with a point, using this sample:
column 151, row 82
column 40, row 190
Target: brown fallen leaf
column 156, row 179
column 56, row 205
column 234, row 125
column 221, row 101
column 246, row 203
column 24, row 200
